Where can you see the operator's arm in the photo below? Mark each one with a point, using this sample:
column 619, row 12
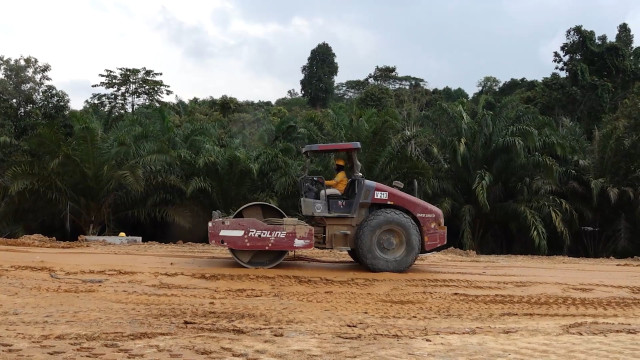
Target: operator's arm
column 341, row 176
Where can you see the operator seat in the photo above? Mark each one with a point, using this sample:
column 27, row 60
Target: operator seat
column 345, row 203
column 350, row 191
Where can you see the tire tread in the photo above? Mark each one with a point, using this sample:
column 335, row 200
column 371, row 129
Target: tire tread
column 369, row 259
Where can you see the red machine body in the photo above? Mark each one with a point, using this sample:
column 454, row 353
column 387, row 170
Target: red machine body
column 253, row 234
column 430, row 218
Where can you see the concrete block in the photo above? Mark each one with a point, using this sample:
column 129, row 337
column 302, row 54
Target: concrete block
column 116, row 239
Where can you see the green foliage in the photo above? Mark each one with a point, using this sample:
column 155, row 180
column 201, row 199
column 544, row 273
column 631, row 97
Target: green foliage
column 388, row 77
column 227, row 105
column 447, row 94
column 319, row 74
column 498, row 180
column 525, row 90
column 27, row 100
column 351, row 89
column 375, row 97
column 606, row 186
column 488, row 85
column 599, row 73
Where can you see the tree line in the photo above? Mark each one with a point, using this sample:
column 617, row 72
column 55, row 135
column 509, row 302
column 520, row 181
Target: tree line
column 548, row 166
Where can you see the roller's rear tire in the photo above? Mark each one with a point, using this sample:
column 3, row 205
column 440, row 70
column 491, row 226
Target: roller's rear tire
column 388, row 240
column 354, row 255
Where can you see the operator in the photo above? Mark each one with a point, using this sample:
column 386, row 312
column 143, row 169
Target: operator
column 338, row 184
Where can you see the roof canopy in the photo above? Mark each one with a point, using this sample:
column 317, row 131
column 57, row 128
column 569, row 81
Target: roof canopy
column 336, row 147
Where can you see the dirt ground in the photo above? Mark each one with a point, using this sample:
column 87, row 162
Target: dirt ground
column 191, row 301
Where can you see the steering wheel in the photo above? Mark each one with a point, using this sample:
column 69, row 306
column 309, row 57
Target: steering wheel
column 312, row 185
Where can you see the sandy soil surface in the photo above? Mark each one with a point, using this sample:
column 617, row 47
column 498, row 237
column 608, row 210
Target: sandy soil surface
column 191, row 301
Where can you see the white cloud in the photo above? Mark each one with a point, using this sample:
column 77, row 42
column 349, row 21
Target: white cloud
column 216, row 47
column 538, row 12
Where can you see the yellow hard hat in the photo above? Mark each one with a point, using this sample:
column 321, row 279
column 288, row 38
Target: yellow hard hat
column 122, row 234
column 339, row 162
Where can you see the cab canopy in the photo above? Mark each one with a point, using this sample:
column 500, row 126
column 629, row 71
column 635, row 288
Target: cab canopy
column 351, row 148
column 335, row 147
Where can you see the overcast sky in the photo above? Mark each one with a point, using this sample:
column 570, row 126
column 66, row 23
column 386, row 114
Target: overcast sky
column 253, row 50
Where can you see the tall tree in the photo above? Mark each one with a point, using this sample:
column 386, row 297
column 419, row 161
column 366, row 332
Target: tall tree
column 600, row 73
column 387, row 76
column 129, row 88
column 227, row 105
column 319, row 74
column 488, row 85
column 384, row 75
column 27, row 100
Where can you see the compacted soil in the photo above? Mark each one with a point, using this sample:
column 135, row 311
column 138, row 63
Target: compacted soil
column 191, row 301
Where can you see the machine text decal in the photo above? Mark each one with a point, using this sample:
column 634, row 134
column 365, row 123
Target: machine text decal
column 263, row 233
column 427, row 215
column 381, row 195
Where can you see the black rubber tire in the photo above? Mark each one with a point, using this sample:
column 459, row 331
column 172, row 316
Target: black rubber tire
column 354, row 255
column 388, row 240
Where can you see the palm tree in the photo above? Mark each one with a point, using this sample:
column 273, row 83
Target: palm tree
column 497, row 182
column 77, row 174
column 604, row 187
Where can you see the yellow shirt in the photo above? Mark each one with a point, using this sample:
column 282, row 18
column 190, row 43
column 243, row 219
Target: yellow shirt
column 339, row 182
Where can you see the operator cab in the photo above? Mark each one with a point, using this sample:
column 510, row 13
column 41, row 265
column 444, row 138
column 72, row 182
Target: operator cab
column 344, row 205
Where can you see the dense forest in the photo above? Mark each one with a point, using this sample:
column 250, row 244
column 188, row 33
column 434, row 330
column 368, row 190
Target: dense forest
column 548, row 166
